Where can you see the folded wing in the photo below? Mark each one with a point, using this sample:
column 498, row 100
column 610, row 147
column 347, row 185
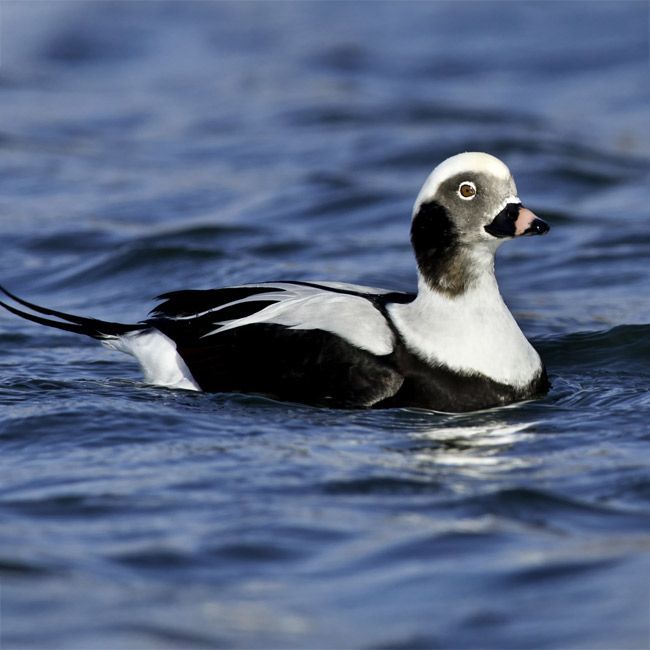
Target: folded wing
column 348, row 311
column 318, row 344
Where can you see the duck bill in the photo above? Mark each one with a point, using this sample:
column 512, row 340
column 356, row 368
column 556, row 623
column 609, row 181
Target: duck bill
column 516, row 221
column 528, row 223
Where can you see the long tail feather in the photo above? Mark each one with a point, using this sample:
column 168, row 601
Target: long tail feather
column 68, row 327
column 44, row 310
column 97, row 329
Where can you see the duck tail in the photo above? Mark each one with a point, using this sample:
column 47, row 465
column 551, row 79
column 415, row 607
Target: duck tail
column 96, row 329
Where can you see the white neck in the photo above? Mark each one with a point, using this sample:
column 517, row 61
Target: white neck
column 471, row 332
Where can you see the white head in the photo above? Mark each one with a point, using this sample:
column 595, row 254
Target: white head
column 472, row 162
column 466, row 208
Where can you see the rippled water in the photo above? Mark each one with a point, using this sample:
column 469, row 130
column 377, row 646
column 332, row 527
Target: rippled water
column 146, row 147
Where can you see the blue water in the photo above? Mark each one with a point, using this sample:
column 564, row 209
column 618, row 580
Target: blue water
column 152, row 146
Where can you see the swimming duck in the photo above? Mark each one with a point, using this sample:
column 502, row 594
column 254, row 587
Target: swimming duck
column 453, row 346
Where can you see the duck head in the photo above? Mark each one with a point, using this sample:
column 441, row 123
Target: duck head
column 466, row 209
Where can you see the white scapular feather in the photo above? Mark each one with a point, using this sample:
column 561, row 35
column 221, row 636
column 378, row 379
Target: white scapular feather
column 301, row 307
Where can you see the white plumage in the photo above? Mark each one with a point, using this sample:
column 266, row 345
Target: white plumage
column 473, row 333
column 157, row 355
column 303, row 307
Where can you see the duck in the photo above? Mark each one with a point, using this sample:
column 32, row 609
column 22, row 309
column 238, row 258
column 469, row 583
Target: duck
column 453, row 346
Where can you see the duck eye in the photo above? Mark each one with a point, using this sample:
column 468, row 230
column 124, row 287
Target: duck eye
column 467, row 190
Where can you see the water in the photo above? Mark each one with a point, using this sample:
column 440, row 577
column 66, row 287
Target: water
column 146, row 147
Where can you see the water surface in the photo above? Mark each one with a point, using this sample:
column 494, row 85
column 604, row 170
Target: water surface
column 146, row 147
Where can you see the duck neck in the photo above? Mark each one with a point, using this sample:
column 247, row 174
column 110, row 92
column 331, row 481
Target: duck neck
column 447, row 264
column 471, row 331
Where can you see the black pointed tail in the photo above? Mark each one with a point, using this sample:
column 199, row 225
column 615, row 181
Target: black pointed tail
column 97, row 329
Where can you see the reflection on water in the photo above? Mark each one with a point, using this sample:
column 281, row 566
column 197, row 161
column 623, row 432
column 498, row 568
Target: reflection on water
column 475, row 447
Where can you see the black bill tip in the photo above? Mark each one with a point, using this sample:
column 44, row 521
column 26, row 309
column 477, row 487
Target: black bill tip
column 537, row 227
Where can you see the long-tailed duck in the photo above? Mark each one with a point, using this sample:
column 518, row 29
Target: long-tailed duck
column 454, row 346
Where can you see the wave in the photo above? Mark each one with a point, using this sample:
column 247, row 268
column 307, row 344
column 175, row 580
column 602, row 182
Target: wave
column 623, row 348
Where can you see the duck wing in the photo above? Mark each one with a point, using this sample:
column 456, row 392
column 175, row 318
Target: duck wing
column 320, row 343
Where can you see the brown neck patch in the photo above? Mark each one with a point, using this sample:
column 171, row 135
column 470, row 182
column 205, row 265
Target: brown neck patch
column 443, row 261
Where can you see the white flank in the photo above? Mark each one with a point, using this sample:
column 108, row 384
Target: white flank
column 301, row 307
column 473, row 332
column 157, row 355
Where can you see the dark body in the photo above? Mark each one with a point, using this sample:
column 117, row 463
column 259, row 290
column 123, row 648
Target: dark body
column 315, row 366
